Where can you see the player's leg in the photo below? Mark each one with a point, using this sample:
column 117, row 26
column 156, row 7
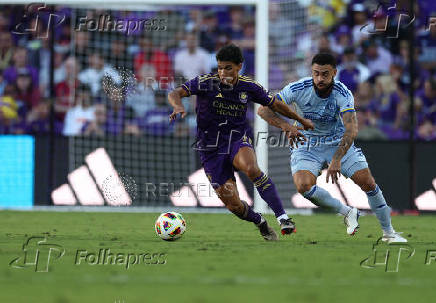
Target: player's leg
column 305, row 166
column 354, row 166
column 228, row 193
column 378, row 204
column 245, row 161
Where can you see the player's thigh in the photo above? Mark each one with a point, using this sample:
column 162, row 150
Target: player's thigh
column 353, row 161
column 245, row 161
column 305, row 160
column 217, row 168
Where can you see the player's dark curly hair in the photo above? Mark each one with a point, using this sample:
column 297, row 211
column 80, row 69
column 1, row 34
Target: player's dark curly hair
column 230, row 53
column 324, row 59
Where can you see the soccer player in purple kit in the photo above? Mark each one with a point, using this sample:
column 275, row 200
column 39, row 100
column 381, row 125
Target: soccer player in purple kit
column 224, row 138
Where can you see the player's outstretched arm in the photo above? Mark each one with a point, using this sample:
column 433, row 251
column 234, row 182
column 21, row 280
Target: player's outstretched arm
column 175, row 99
column 286, row 111
column 273, row 119
column 350, row 123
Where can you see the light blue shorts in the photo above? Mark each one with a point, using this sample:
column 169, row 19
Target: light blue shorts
column 313, row 158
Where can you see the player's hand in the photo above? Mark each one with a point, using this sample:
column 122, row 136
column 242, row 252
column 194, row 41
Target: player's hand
column 307, row 124
column 334, row 171
column 294, row 135
column 177, row 110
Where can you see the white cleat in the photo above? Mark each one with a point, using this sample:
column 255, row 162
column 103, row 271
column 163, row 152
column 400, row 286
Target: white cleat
column 351, row 221
column 393, row 237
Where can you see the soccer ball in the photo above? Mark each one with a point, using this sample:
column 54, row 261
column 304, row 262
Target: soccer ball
column 170, row 226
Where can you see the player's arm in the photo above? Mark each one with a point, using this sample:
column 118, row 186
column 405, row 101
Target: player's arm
column 285, row 110
column 273, row 119
column 350, row 123
column 175, row 99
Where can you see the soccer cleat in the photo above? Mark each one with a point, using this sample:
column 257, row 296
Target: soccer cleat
column 393, row 237
column 287, row 226
column 266, row 231
column 351, row 221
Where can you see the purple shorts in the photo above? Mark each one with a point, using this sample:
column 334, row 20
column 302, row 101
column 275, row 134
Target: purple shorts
column 218, row 165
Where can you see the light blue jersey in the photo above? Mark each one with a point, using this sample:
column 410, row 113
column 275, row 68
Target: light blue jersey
column 326, row 114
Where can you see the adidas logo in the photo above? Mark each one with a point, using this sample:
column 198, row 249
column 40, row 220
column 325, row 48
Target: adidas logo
column 219, row 96
column 95, row 183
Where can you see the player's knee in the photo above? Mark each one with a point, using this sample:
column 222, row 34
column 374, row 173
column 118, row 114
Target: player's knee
column 303, row 187
column 368, row 184
column 252, row 171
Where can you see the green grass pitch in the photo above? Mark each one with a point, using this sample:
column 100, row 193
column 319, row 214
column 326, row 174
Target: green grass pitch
column 219, row 259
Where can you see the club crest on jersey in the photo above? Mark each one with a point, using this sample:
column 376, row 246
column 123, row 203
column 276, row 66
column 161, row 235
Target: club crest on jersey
column 243, row 97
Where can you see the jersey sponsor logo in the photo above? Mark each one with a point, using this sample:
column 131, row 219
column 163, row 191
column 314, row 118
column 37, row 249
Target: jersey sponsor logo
column 318, row 117
column 243, row 97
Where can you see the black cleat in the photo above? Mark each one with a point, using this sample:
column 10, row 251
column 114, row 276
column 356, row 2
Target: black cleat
column 287, row 226
column 267, row 232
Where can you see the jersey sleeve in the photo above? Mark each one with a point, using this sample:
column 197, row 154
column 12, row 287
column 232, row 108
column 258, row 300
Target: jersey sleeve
column 346, row 103
column 287, row 95
column 261, row 95
column 191, row 86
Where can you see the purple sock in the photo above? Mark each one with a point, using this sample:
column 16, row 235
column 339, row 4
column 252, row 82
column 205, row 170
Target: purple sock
column 249, row 214
column 268, row 192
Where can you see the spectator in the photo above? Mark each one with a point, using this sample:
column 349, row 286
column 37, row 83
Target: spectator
column 94, row 74
column 378, row 59
column 8, row 111
column 368, row 129
column 427, row 45
column 387, row 99
column 64, row 91
column 155, row 121
column 143, row 98
column 6, row 49
column 82, row 48
column 248, row 44
column 155, row 57
column 351, row 72
column 81, row 113
column 342, row 39
column 20, row 64
column 192, row 60
column 2, row 83
column 119, row 118
column 427, row 97
column 360, row 19
column 235, row 29
column 97, row 127
column 117, row 55
column 26, row 91
column 209, row 32
column 38, row 120
column 426, row 130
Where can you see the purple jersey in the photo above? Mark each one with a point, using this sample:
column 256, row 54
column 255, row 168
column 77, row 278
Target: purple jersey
column 221, row 109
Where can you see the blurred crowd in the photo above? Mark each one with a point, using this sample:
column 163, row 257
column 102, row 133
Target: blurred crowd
column 371, row 40
column 108, row 82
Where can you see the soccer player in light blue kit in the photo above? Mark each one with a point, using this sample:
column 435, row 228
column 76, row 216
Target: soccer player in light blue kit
column 330, row 106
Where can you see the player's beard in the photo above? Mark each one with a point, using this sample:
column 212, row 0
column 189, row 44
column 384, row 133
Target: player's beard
column 325, row 91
